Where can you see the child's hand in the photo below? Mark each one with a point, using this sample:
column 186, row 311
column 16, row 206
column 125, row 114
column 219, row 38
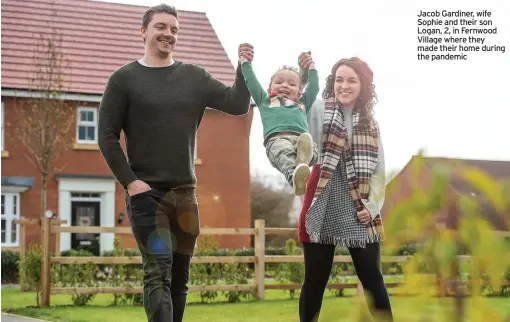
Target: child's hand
column 305, row 61
column 245, row 53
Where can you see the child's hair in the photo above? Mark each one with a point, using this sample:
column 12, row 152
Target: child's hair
column 303, row 75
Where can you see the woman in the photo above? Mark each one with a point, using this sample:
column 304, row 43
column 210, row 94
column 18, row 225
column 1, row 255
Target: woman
column 345, row 191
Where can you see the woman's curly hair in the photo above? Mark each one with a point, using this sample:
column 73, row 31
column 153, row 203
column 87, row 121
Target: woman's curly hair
column 367, row 98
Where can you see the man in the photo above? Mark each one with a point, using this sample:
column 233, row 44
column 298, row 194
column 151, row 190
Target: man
column 158, row 103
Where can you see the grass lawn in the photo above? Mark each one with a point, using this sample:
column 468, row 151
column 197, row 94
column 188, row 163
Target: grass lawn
column 277, row 307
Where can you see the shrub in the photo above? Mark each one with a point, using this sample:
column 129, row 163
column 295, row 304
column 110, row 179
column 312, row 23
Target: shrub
column 30, row 270
column 206, row 274
column 338, row 276
column 10, row 267
column 291, row 273
column 76, row 275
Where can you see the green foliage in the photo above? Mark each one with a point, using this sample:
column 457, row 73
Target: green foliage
column 218, row 273
column 10, row 267
column 465, row 231
column 124, row 276
column 30, row 270
column 339, row 276
column 412, row 229
column 206, row 274
column 76, row 275
column 291, row 273
column 236, row 274
column 106, row 275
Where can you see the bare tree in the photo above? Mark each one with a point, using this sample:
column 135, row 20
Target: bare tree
column 44, row 123
column 272, row 201
column 44, row 117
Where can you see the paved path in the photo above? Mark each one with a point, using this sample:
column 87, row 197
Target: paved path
column 15, row 318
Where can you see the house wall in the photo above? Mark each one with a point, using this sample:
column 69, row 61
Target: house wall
column 222, row 173
column 413, row 178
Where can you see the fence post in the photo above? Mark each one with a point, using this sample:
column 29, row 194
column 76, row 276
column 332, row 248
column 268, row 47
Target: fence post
column 45, row 261
column 57, row 240
column 260, row 246
column 22, row 246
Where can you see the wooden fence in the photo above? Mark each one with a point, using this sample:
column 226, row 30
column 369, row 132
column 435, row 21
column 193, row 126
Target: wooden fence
column 51, row 226
column 23, row 222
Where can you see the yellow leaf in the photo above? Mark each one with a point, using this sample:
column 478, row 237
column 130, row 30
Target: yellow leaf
column 481, row 181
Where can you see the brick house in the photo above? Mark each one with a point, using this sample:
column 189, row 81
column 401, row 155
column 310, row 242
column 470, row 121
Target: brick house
column 98, row 38
column 414, row 173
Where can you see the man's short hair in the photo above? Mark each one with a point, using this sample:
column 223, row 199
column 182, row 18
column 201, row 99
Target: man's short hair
column 147, row 16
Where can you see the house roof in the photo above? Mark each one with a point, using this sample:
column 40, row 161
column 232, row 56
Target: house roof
column 97, row 38
column 497, row 170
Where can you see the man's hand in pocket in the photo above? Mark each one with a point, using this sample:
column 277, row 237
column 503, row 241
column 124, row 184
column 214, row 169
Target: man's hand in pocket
column 136, row 187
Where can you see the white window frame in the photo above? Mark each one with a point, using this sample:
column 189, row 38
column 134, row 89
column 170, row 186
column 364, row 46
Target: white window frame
column 79, row 123
column 9, row 216
column 3, row 125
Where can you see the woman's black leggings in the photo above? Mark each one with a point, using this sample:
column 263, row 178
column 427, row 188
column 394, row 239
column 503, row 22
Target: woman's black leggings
column 318, row 264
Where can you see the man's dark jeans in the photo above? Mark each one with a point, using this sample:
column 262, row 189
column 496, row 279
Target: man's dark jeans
column 165, row 224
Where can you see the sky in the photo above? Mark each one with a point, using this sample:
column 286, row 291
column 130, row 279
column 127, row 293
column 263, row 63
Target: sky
column 454, row 109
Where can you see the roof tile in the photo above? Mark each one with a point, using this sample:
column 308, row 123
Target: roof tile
column 97, row 39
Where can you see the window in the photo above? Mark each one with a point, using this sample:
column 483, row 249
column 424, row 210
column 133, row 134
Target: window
column 85, row 195
column 10, row 212
column 86, row 125
column 2, row 126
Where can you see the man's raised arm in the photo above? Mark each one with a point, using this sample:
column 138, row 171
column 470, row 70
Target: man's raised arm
column 235, row 99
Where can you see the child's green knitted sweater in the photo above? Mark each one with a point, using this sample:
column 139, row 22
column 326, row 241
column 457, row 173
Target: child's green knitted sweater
column 277, row 113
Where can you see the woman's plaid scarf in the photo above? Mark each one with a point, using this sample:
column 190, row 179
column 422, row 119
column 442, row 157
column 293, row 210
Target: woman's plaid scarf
column 361, row 160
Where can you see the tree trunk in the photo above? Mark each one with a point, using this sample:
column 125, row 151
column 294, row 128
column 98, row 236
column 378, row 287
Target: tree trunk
column 43, row 194
column 45, row 243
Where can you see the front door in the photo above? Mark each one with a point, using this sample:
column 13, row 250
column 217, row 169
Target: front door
column 85, row 213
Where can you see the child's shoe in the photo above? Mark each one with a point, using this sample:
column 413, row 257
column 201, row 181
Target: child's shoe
column 304, row 149
column 299, row 179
